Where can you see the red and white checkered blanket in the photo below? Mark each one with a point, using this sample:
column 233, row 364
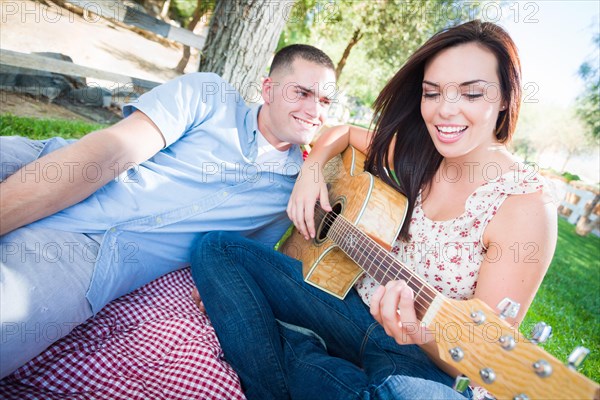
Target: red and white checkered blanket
column 153, row 343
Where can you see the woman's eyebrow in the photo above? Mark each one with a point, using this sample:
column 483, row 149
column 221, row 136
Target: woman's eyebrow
column 425, row 82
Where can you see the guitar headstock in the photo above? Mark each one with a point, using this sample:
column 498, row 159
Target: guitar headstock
column 496, row 356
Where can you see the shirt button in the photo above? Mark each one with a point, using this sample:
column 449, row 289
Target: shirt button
column 196, row 208
column 113, row 229
column 158, row 219
column 225, row 194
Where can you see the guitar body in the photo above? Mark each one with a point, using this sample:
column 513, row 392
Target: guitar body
column 371, row 205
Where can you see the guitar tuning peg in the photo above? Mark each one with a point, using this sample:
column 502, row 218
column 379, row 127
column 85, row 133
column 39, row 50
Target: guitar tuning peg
column 507, row 342
column 478, row 317
column 461, row 383
column 542, row 368
column 541, row 332
column 577, row 357
column 508, row 308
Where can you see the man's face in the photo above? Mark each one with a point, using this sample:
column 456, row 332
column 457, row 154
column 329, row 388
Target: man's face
column 296, row 103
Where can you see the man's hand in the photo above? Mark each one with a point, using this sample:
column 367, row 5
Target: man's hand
column 198, row 300
column 310, row 187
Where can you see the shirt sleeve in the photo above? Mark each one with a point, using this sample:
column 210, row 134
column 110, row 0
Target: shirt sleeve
column 180, row 104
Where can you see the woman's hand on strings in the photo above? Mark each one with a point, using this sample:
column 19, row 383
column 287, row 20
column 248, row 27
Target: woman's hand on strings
column 310, row 187
column 393, row 306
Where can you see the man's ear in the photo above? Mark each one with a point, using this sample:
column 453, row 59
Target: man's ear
column 267, row 90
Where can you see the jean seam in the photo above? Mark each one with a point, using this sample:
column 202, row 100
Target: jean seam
column 377, row 389
column 367, row 338
column 37, row 145
column 325, row 372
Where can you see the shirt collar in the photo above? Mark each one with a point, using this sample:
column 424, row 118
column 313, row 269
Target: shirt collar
column 252, row 122
column 295, row 152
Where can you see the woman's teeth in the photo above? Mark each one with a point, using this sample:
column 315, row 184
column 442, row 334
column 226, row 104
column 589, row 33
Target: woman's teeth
column 451, row 131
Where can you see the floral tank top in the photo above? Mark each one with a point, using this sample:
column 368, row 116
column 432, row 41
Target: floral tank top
column 448, row 254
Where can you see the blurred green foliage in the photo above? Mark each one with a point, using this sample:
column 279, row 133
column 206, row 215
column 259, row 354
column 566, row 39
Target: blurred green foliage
column 588, row 103
column 377, row 36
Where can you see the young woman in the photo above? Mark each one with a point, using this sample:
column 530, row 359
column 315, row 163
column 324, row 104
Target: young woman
column 442, row 125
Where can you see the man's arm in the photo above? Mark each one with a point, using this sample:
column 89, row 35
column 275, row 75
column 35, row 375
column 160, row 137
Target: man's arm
column 310, row 186
column 25, row 198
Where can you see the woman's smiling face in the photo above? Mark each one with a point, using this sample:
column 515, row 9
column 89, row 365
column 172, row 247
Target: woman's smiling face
column 461, row 100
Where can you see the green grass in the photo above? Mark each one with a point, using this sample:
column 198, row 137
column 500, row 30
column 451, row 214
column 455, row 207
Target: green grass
column 44, row 128
column 569, row 299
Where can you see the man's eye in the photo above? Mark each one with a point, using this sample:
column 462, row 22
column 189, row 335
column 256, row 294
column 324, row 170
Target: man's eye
column 430, row 95
column 302, row 93
column 473, row 96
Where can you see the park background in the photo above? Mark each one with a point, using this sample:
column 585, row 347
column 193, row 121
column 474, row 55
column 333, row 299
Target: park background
column 558, row 130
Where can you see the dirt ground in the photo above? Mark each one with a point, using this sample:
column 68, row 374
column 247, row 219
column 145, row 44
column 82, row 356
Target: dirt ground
column 29, row 26
column 28, row 106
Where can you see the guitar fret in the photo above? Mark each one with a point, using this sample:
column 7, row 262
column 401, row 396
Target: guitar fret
column 374, row 262
column 388, row 272
column 377, row 262
column 383, row 277
column 420, row 307
column 371, row 258
column 346, row 245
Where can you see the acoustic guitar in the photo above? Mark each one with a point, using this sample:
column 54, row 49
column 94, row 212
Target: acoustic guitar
column 356, row 237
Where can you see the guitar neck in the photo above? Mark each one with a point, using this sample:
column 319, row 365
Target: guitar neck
column 377, row 262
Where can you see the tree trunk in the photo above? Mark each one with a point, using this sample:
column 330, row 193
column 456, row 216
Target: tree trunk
column 201, row 9
column 567, row 159
column 342, row 63
column 242, row 37
column 185, row 58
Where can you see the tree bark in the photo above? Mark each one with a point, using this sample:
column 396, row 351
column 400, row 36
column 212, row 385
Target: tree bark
column 342, row 63
column 242, row 37
column 201, row 9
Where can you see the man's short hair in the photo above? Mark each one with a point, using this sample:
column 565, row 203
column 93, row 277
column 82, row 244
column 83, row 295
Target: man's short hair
column 286, row 56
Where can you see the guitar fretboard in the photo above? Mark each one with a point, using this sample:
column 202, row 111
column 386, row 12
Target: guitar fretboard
column 377, row 262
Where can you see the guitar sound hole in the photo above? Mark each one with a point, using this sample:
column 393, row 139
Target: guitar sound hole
column 327, row 220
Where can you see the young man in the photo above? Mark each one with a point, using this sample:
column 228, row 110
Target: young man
column 83, row 223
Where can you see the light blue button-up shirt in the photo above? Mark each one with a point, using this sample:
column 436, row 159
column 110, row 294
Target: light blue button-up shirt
column 205, row 179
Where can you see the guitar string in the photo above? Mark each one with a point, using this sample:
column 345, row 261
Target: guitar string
column 426, row 292
column 383, row 256
column 328, row 222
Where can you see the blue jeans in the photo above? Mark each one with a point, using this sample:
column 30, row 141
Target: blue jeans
column 246, row 287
